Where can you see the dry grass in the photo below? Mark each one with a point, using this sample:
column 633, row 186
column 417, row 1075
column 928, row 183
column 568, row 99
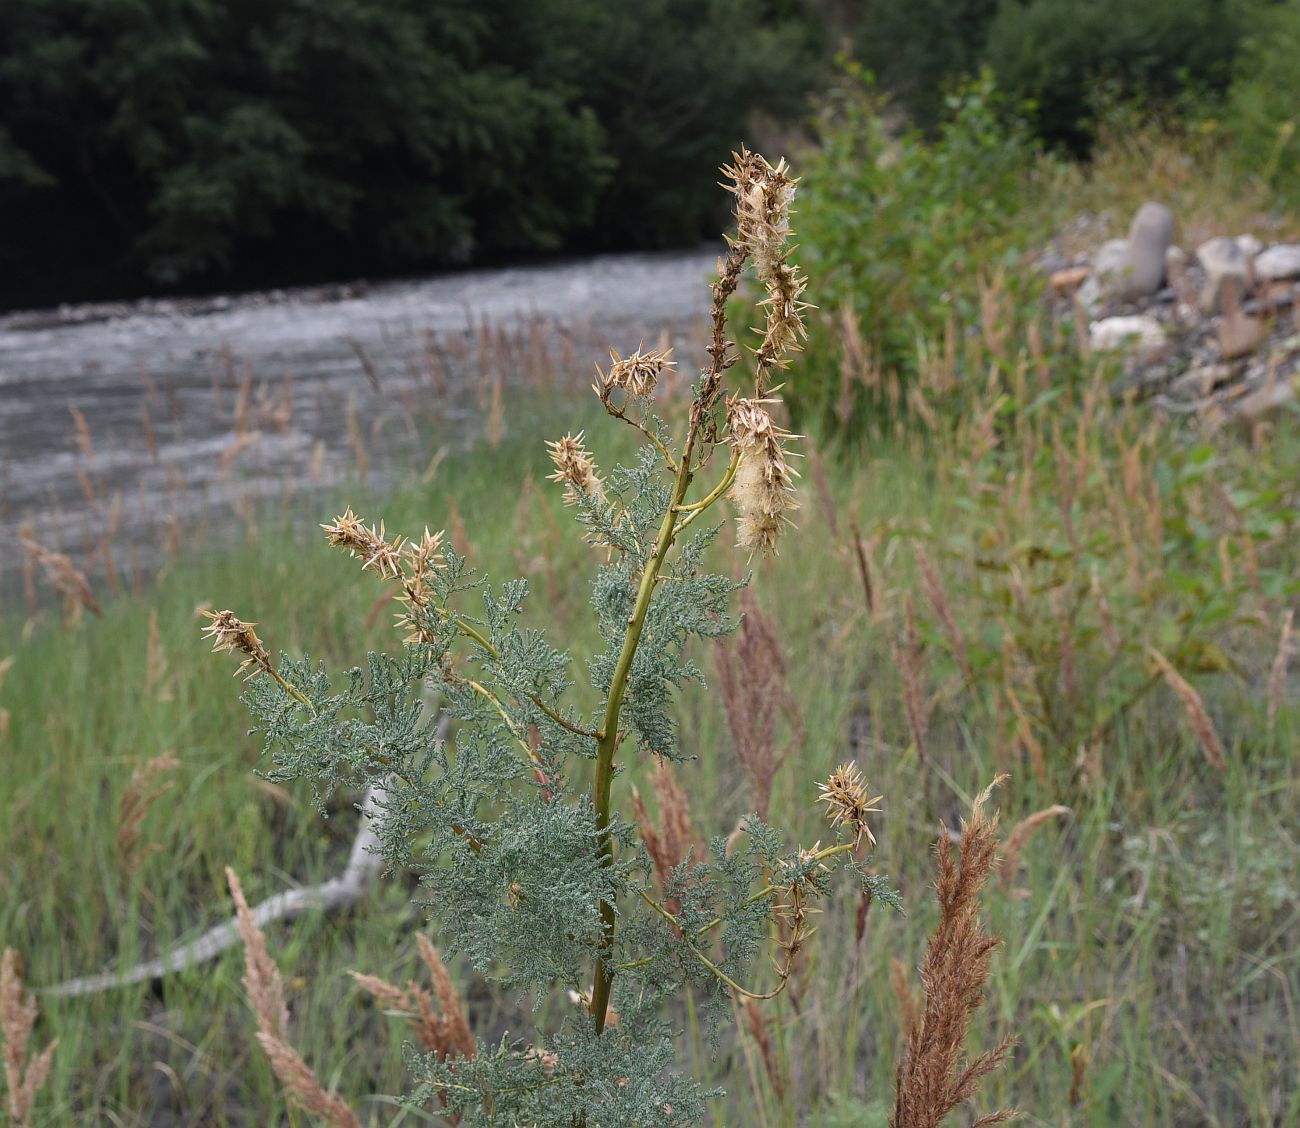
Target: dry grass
column 935, row 1075
column 23, row 1078
column 266, row 995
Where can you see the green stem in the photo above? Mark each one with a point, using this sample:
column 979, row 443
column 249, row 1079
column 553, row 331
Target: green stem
column 608, row 741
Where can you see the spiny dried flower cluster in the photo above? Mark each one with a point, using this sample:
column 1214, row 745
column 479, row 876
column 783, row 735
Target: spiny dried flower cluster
column 411, row 562
column 576, row 469
column 23, row 1078
column 763, row 197
column 637, row 375
column 845, row 796
column 932, row 1078
column 229, row 632
column 349, row 532
column 764, row 487
column 266, row 994
column 447, row 1034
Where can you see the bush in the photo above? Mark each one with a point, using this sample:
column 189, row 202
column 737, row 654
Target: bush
column 1261, row 111
column 898, row 232
column 1054, row 52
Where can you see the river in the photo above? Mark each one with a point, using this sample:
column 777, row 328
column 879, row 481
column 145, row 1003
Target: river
column 128, row 429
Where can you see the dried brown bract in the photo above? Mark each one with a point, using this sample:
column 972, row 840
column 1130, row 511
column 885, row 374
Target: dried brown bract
column 935, row 1076
column 764, row 487
column 378, row 554
column 637, row 375
column 845, row 796
column 229, row 632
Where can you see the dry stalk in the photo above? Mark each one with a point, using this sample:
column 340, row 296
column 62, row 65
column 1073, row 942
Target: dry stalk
column 149, row 783
column 23, row 1078
column 911, row 666
column 1019, row 837
column 753, row 682
column 935, row 1076
column 266, row 994
column 937, row 596
column 1194, row 710
column 1277, row 674
column 675, row 837
column 756, row 1024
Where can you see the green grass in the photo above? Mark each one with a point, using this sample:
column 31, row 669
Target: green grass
column 1147, row 937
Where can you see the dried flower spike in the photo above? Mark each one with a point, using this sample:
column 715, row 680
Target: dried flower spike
column 377, row 553
column 638, row 374
column 231, row 633
column 764, row 486
column 845, row 796
column 575, row 468
column 763, row 196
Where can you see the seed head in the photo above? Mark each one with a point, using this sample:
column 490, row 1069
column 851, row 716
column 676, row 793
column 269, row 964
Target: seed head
column 763, row 195
column 231, row 633
column 575, row 468
column 845, row 796
column 764, row 486
column 638, row 374
column 377, row 553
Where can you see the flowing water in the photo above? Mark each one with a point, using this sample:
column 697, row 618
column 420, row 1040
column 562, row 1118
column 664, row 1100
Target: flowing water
column 127, row 429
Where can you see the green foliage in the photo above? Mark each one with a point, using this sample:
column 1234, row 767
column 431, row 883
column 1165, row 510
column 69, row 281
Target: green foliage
column 156, row 144
column 1054, row 53
column 1261, row 115
column 898, row 232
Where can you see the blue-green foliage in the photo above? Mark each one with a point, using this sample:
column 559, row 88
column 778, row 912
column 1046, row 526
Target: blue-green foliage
column 514, row 864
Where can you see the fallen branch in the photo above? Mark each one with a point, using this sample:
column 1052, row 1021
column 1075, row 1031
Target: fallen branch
column 353, row 885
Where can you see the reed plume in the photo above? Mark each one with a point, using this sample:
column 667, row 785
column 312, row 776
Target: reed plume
column 935, row 1075
column 266, row 995
column 23, row 1078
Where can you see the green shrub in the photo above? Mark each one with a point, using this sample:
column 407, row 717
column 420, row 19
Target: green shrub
column 1054, row 53
column 898, row 232
column 1261, row 111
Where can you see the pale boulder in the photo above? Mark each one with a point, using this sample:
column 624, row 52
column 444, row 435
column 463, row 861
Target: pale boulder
column 1225, row 268
column 1278, row 263
column 1142, row 270
column 1139, row 334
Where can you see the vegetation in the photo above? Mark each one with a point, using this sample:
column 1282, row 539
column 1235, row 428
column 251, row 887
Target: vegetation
column 202, row 142
column 1000, row 567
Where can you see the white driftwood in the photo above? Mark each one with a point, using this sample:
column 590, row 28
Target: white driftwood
column 353, row 885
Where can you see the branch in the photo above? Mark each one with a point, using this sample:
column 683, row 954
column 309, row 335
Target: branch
column 353, row 885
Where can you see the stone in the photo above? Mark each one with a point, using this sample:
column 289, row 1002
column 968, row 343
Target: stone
column 1176, row 262
column 1201, row 381
column 1225, row 268
column 1278, row 263
column 1150, row 236
column 1103, row 283
column 1266, row 400
column 1140, row 333
column 1065, row 282
column 1250, row 246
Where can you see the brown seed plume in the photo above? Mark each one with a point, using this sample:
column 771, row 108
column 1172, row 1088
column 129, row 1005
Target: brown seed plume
column 266, row 995
column 23, row 1078
column 753, row 683
column 935, row 1075
column 1194, row 709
